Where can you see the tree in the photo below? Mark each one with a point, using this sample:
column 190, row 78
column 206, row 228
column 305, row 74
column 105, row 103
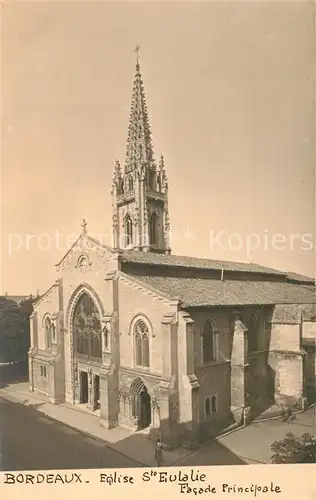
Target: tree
column 294, row 450
column 14, row 329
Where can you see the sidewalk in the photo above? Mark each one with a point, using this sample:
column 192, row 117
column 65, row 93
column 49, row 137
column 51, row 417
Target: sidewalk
column 136, row 445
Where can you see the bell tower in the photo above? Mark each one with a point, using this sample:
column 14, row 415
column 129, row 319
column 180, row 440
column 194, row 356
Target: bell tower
column 140, row 188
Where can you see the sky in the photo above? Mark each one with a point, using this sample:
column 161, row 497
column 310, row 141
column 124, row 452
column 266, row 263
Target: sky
column 230, row 94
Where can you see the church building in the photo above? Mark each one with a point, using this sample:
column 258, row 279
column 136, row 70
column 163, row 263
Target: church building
column 181, row 346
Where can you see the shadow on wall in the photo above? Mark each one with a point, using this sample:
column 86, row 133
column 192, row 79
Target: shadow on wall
column 14, row 373
column 261, row 380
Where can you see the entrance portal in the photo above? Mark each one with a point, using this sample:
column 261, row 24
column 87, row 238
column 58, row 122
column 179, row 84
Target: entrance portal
column 84, row 392
column 145, row 409
column 141, row 403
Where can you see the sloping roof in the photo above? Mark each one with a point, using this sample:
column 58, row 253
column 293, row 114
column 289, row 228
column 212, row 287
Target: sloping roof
column 197, row 292
column 300, row 277
column 156, row 259
column 294, row 313
column 85, row 237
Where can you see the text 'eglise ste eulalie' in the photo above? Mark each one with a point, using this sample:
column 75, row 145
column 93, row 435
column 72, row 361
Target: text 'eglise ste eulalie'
column 189, row 482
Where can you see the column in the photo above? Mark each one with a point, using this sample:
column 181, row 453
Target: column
column 108, row 397
column 168, row 396
column 90, row 390
column 77, row 384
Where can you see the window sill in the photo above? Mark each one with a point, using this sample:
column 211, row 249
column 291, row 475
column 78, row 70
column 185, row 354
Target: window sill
column 214, row 363
column 143, row 368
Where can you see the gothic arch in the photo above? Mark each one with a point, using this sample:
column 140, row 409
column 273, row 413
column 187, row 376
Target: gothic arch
column 83, row 260
column 208, row 341
column 141, row 316
column 128, row 225
column 45, row 318
column 137, row 386
column 153, row 227
column 140, row 400
column 141, row 331
column 49, row 330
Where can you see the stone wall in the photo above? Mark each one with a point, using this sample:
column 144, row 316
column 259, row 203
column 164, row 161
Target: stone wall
column 137, row 302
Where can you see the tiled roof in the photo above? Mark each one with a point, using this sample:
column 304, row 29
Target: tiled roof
column 293, row 313
column 196, row 292
column 156, row 259
column 300, row 277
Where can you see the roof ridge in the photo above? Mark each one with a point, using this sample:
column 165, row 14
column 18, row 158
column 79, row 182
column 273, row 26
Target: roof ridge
column 169, row 260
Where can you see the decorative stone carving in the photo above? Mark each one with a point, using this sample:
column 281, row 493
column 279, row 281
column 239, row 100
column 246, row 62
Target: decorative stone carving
column 83, row 262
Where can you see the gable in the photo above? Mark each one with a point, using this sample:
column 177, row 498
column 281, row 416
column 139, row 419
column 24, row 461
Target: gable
column 86, row 252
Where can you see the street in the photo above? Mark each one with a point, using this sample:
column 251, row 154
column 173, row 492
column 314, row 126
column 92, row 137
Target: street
column 30, row 440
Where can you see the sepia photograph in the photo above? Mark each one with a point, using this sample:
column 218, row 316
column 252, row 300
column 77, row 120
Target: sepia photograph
column 158, row 278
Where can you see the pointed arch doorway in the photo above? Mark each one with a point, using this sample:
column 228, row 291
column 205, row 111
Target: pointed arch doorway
column 141, row 404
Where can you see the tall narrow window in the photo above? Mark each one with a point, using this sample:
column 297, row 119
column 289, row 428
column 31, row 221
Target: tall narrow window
column 53, row 330
column 253, row 333
column 153, row 226
column 130, row 183
column 152, row 179
column 208, row 343
column 48, row 333
column 106, row 338
column 214, row 404
column 207, row 407
column 128, row 230
column 141, row 344
column 87, row 328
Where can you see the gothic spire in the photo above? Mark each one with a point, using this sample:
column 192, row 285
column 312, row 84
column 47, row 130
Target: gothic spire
column 139, row 150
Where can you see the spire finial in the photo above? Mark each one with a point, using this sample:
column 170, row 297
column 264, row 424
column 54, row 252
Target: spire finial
column 137, row 49
column 84, row 226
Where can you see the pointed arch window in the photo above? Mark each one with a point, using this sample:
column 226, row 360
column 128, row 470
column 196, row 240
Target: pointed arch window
column 208, row 342
column 128, row 230
column 130, row 183
column 153, row 227
column 253, row 333
column 141, row 334
column 49, row 332
column 87, row 328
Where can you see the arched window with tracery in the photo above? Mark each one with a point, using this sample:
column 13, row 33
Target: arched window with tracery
column 208, row 342
column 153, row 226
column 141, row 334
column 128, row 230
column 87, row 328
column 48, row 332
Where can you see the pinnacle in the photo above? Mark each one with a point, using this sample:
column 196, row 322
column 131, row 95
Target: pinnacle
column 138, row 144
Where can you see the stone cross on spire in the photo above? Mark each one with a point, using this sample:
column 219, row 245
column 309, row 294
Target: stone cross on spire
column 137, row 49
